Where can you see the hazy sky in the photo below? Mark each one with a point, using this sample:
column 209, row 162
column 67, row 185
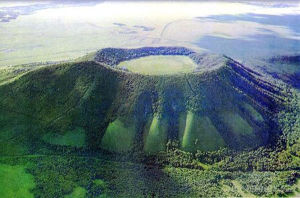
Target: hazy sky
column 38, row 31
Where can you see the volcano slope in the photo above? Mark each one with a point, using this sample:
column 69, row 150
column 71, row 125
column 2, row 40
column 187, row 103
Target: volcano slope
column 94, row 105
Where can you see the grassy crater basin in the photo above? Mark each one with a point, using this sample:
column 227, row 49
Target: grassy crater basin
column 159, row 65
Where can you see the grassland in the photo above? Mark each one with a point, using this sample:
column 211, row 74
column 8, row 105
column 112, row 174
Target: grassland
column 15, row 182
column 159, row 65
column 10, row 73
column 119, row 137
column 157, row 136
column 237, row 124
column 200, row 134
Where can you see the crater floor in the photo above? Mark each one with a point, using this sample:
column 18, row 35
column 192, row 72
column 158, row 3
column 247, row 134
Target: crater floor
column 159, row 65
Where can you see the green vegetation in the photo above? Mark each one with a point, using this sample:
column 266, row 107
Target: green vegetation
column 183, row 135
column 88, row 57
column 200, row 134
column 253, row 113
column 75, row 138
column 284, row 67
column 78, row 192
column 10, row 73
column 65, row 176
column 237, row 124
column 50, row 105
column 159, row 65
column 15, row 182
column 297, row 191
column 240, row 189
column 118, row 136
column 157, row 136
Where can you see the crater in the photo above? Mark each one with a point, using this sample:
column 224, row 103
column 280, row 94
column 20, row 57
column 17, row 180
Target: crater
column 159, row 65
column 159, row 60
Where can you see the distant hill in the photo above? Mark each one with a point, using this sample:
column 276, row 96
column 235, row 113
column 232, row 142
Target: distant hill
column 93, row 105
column 283, row 67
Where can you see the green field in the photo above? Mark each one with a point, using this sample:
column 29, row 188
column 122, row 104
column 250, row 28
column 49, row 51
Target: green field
column 159, row 65
column 157, row 136
column 237, row 124
column 118, row 136
column 15, row 182
column 200, row 134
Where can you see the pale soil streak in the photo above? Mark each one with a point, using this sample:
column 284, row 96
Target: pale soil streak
column 240, row 190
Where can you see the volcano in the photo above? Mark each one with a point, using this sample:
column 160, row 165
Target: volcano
column 98, row 104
